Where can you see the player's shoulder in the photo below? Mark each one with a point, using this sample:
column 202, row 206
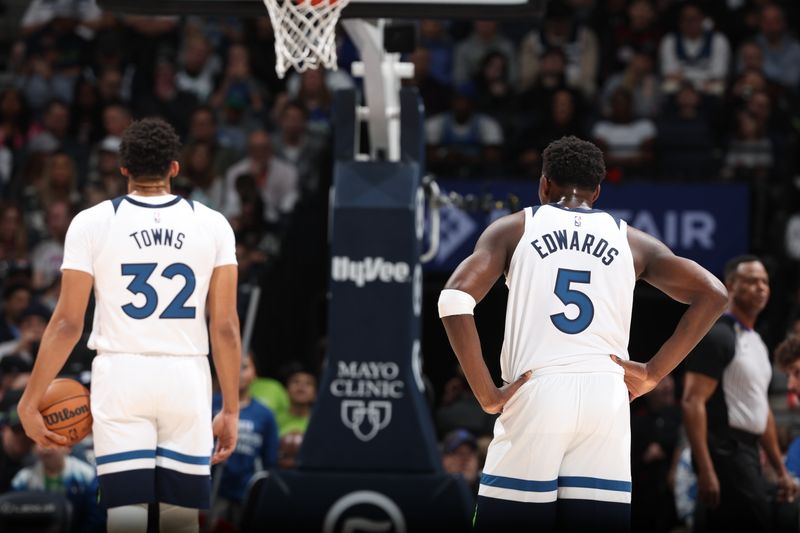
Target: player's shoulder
column 96, row 215
column 206, row 213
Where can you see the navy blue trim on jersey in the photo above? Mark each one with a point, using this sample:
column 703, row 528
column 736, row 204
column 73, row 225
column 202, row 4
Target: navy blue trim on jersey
column 115, row 203
column 152, row 206
column 594, row 483
column 190, row 202
column 585, row 210
column 526, row 485
column 129, row 487
column 125, row 456
column 182, row 457
column 184, row 490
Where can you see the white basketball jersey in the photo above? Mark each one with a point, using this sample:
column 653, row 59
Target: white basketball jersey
column 152, row 260
column 571, row 282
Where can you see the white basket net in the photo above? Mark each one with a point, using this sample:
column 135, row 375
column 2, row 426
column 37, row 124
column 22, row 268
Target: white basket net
column 305, row 33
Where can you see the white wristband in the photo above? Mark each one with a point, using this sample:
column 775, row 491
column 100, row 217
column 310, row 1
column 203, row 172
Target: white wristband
column 455, row 302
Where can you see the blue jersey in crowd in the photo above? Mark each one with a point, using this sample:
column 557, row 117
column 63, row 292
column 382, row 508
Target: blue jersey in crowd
column 256, row 449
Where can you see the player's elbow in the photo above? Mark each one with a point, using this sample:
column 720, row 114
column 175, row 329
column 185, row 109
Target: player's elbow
column 226, row 329
column 717, row 295
column 66, row 328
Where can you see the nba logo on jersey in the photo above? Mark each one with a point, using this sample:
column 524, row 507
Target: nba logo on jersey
column 577, row 221
column 157, row 217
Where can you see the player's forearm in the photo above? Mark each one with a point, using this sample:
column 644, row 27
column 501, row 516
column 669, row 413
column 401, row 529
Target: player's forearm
column 696, row 422
column 693, row 326
column 463, row 336
column 226, row 347
column 60, row 337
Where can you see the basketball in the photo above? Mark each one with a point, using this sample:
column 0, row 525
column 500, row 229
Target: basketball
column 65, row 409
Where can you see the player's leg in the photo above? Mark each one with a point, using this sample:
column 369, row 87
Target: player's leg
column 594, row 484
column 518, row 487
column 124, row 433
column 185, row 442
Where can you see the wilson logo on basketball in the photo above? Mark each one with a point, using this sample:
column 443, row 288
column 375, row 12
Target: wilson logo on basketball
column 65, row 415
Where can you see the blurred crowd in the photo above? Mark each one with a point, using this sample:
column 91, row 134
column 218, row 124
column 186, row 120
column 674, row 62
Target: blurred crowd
column 672, row 90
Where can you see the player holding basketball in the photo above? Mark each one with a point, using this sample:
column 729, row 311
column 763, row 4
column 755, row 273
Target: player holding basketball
column 155, row 261
column 560, row 457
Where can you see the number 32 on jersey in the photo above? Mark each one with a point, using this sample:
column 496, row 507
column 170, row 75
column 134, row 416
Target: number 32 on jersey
column 141, row 273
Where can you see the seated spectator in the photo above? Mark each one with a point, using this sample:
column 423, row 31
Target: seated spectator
column 685, row 140
column 238, row 80
column 434, row 38
column 57, row 184
column 435, row 94
column 197, row 166
column 116, row 119
column 463, row 141
column 293, row 142
column 469, row 53
column 199, row 68
column 85, row 113
column 314, row 89
column 15, row 446
column 105, row 168
column 109, row 86
column 270, row 392
column 256, row 450
column 13, row 235
column 54, row 134
column 166, row 100
column 750, row 57
column 301, row 386
column 495, row 95
column 58, row 472
column 640, row 79
column 626, row 140
column 15, row 120
column 16, row 298
column 32, row 322
column 694, row 53
column 577, row 42
column 781, row 50
column 48, row 255
column 275, row 180
column 639, row 34
column 749, row 155
column 203, row 128
column 460, row 456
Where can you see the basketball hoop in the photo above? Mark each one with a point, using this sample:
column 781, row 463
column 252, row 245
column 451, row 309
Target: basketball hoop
column 305, row 33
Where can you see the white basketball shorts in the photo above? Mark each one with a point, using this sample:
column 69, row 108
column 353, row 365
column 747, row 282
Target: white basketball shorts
column 562, row 436
column 152, row 429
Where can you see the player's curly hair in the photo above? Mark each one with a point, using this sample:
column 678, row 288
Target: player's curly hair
column 788, row 351
column 148, row 147
column 571, row 161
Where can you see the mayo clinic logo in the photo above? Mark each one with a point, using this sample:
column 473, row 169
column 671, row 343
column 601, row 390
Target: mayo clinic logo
column 367, row 389
column 364, row 511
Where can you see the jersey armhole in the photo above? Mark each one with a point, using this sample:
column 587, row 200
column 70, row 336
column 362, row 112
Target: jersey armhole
column 528, row 218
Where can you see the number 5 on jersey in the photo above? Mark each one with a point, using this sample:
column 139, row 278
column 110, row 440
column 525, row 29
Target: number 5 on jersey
column 141, row 273
column 568, row 295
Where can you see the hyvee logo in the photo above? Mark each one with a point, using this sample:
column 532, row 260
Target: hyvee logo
column 368, row 270
column 65, row 414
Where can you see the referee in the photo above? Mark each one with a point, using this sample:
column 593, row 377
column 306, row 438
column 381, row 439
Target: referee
column 726, row 411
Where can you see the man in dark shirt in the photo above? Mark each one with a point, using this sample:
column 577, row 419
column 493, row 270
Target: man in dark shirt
column 15, row 446
column 727, row 413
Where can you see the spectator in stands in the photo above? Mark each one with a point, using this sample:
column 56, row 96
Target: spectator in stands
column 549, row 78
column 626, row 140
column 54, row 135
column 463, row 141
column 16, row 298
column 40, row 13
column 58, row 184
column 685, row 141
column 288, row 449
column 48, row 255
column 577, row 42
column 458, row 409
column 275, row 180
column 109, row 86
column 105, row 171
column 199, row 68
column 301, row 386
column 495, row 94
column 640, row 34
column 434, row 38
column 58, row 472
column 13, row 235
column 640, row 78
column 167, row 100
column 203, row 128
column 197, row 165
column 294, row 143
column 15, row 446
column 750, row 57
column 694, row 53
column 749, row 154
column 15, row 120
column 85, row 113
column 469, row 54
column 116, row 119
column 256, row 450
column 435, row 95
column 781, row 50
column 32, row 322
column 238, row 81
column 315, row 95
column 655, row 429
column 460, row 456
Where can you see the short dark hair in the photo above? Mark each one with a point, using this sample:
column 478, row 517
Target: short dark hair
column 148, row 148
column 733, row 265
column 788, row 351
column 573, row 161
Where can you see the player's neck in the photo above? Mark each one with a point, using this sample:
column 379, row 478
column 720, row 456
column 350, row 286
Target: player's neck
column 573, row 199
column 149, row 188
